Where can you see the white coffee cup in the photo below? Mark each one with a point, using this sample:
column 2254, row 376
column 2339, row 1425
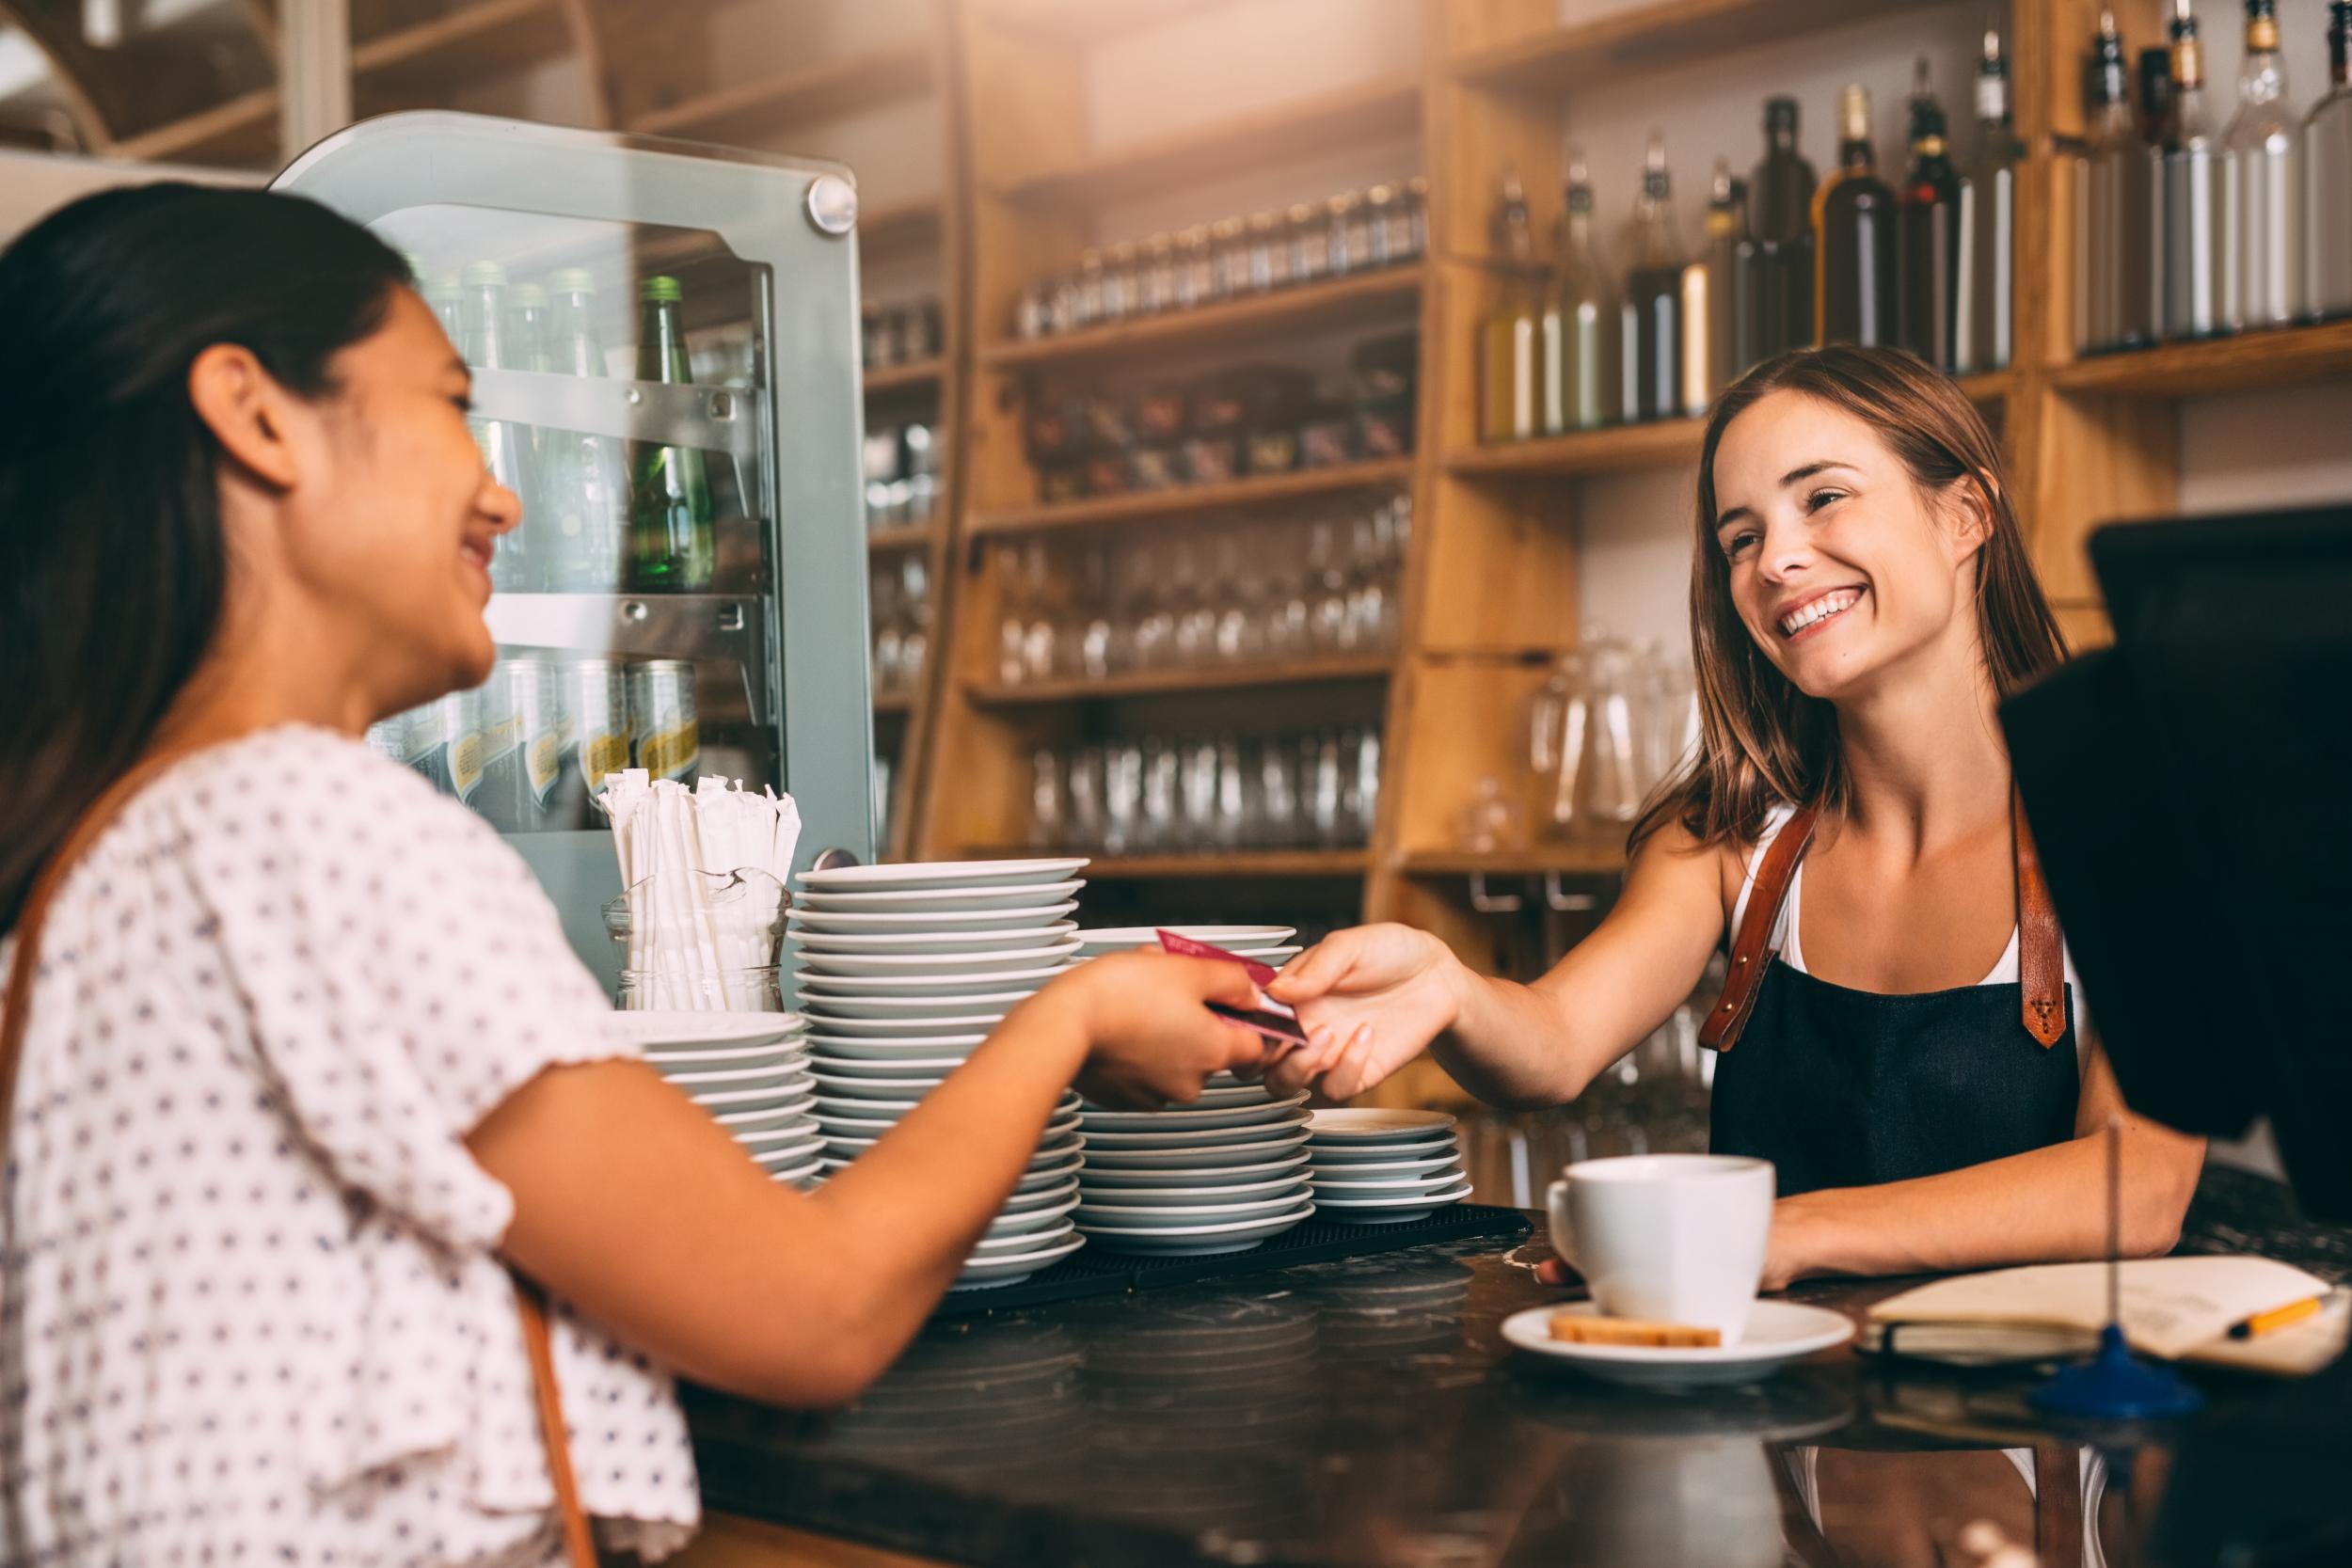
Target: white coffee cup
column 1667, row 1238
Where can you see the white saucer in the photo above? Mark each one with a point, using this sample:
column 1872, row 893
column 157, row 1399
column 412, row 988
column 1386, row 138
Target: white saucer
column 1033, row 896
column 1028, row 1222
column 843, row 1094
column 1285, row 1121
column 1777, row 1333
column 1446, row 1147
column 706, row 1031
column 1197, row 1240
column 1159, row 1216
column 1114, row 939
column 1189, row 1119
column 693, row 1059
column 1198, row 1154
column 1427, row 1182
column 1112, row 1177
column 868, row 1055
column 936, row 988
column 1388, row 1210
column 1177, row 1197
column 929, row 923
column 909, row 942
column 1052, row 1173
column 982, row 1272
column 1377, row 1124
column 933, row 876
column 940, row 968
column 995, row 1005
column 835, row 1031
column 834, row 1070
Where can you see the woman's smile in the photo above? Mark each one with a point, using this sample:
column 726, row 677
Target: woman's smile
column 1813, row 614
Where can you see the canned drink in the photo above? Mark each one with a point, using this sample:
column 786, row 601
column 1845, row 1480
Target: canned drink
column 457, row 744
column 522, row 745
column 595, row 737
column 665, row 738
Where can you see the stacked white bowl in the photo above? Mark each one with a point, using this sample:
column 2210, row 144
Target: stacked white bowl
column 904, row 969
column 1223, row 1174
column 751, row 1070
column 1374, row 1167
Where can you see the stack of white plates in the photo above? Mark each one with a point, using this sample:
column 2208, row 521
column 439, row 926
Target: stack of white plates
column 1384, row 1167
column 1221, row 1175
column 1268, row 945
column 751, row 1070
column 904, row 969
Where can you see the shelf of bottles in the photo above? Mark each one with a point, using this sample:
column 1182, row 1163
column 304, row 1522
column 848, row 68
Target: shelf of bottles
column 628, row 410
column 2187, row 229
column 1582, row 340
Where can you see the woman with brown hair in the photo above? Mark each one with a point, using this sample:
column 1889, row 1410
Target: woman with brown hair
column 1911, row 1051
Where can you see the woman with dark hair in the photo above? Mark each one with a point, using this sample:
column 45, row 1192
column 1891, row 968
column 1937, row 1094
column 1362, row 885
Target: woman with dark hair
column 1916, row 1063
column 300, row 1063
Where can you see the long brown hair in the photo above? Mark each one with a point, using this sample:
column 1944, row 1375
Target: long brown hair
column 1762, row 741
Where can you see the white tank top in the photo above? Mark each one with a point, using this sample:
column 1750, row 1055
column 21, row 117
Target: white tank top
column 1785, row 937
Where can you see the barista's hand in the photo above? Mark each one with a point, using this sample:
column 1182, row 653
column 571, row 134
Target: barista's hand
column 1370, row 999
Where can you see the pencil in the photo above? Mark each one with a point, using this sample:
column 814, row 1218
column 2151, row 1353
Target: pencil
column 2278, row 1317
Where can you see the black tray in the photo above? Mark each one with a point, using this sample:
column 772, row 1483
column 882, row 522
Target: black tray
column 1099, row 1272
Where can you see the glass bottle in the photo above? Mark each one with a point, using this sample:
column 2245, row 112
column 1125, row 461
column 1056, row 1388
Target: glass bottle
column 2194, row 223
column 1507, row 346
column 2327, row 177
column 1928, row 235
column 1308, row 234
column 2262, row 204
column 2116, row 298
column 583, row 479
column 1710, row 296
column 1121, row 279
column 1269, row 253
column 1780, row 216
column 484, row 340
column 1652, row 317
column 1580, row 323
column 1089, row 310
column 1228, row 265
column 673, row 545
column 1416, row 220
column 1983, row 334
column 1853, row 227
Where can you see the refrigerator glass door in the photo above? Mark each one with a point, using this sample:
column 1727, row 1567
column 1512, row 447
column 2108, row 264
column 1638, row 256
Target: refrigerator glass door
column 663, row 346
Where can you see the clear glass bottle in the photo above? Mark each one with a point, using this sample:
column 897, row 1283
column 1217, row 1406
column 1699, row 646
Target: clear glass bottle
column 1780, row 217
column 1416, row 211
column 1122, row 283
column 1269, row 253
column 1710, row 296
column 1196, row 269
column 1853, row 227
column 1228, row 265
column 2195, row 222
column 1308, row 235
column 2262, row 260
column 1386, row 226
column 1651, row 319
column 2117, row 301
column 1089, row 310
column 1984, row 334
column 2327, row 177
column 1927, row 250
column 1155, row 289
column 1508, row 403
column 1350, row 232
column 1581, row 372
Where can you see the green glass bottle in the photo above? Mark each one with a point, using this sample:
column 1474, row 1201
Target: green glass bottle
column 673, row 546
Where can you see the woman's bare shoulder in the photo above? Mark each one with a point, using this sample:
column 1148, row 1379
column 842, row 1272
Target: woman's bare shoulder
column 1672, row 857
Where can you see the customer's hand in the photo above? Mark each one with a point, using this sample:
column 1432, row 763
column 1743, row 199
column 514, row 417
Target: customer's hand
column 1370, row 999
column 1150, row 1039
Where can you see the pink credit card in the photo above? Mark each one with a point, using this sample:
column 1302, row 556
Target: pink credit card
column 1270, row 1017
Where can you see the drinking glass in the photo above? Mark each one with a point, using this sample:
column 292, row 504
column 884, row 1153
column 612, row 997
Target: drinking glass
column 1049, row 826
column 914, row 599
column 1084, row 791
column 1013, row 619
column 1319, row 789
column 1278, row 786
column 1327, row 624
column 1037, row 635
column 1365, row 793
column 1193, row 629
column 888, row 639
column 1155, row 818
column 1154, row 620
column 1232, row 822
column 1092, row 622
column 1606, row 791
column 1123, row 796
column 1286, row 607
column 1196, row 824
column 1238, row 593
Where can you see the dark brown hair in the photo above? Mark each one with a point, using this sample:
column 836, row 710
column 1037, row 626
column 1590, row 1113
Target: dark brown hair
column 113, row 565
column 1764, row 743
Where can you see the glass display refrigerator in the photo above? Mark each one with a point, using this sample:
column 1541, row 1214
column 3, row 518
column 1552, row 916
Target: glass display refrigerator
column 664, row 343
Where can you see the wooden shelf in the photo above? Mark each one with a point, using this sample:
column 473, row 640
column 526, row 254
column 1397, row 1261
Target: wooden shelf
column 485, row 39
column 899, row 378
column 892, row 704
column 242, row 131
column 1548, row 860
column 1655, row 444
column 1347, row 302
column 921, row 537
column 1081, row 23
column 1197, row 497
column 1325, row 122
column 1245, row 862
column 1652, row 37
column 2251, row 360
column 1159, row 682
column 828, row 91
column 900, row 228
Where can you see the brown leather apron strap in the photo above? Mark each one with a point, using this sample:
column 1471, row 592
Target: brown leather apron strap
column 15, row 1017
column 1749, row 959
column 2040, row 950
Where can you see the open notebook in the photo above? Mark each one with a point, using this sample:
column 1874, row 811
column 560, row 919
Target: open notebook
column 2174, row 1308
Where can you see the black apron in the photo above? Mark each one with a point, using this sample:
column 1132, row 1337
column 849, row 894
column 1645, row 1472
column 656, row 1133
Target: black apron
column 1847, row 1088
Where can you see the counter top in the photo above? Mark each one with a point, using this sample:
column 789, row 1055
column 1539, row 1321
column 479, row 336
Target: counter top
column 1366, row 1412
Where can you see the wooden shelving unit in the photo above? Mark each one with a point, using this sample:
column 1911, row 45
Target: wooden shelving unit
column 1550, row 861
column 1162, row 682
column 899, row 378
column 1519, row 49
column 2250, row 361
column 1263, row 490
column 1340, row 304
column 928, row 537
column 1245, row 863
column 757, row 111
